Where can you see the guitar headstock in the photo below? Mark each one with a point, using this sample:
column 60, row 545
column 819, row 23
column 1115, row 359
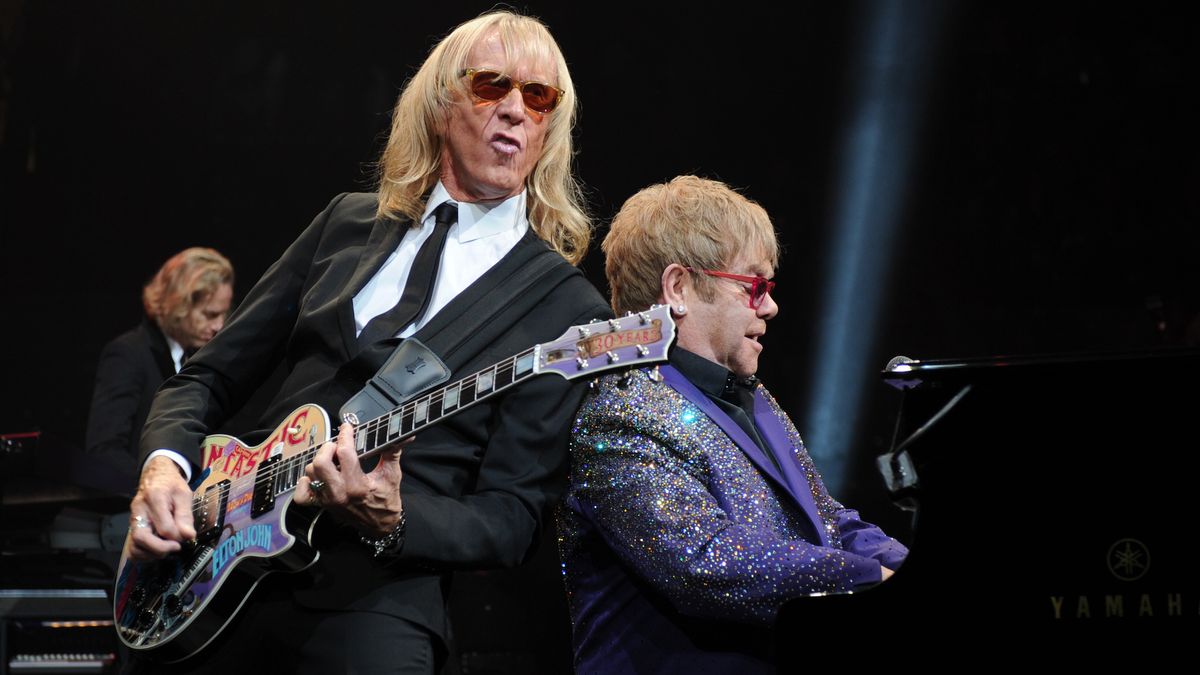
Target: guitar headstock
column 630, row 340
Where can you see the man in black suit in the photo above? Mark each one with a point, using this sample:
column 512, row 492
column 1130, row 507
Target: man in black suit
column 476, row 174
column 186, row 303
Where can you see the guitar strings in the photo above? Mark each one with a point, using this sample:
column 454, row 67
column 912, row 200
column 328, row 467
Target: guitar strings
column 294, row 463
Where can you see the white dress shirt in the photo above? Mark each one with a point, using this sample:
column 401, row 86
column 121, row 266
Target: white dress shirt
column 176, row 353
column 480, row 238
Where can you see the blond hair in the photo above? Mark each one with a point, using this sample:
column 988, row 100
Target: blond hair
column 411, row 161
column 689, row 220
column 188, row 279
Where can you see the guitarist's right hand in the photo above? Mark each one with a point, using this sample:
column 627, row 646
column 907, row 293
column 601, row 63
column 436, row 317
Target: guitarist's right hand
column 161, row 511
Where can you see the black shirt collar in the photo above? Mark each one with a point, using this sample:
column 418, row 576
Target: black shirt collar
column 711, row 378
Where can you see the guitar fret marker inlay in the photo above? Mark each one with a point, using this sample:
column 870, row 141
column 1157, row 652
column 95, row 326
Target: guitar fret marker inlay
column 484, row 383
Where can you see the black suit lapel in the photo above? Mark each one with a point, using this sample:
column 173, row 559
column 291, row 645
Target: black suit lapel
column 384, row 240
column 520, row 255
column 159, row 348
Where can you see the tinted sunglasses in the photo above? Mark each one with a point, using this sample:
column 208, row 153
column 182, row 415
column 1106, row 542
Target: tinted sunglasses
column 488, row 85
column 759, row 285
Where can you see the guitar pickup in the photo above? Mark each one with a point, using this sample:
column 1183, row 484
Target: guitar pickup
column 210, row 511
column 264, row 487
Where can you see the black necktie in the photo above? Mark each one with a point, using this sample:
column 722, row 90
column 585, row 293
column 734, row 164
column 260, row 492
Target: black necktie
column 739, row 395
column 420, row 281
column 740, row 392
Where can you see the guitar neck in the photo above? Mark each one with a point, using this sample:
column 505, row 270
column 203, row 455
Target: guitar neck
column 582, row 351
column 373, row 436
column 416, row 414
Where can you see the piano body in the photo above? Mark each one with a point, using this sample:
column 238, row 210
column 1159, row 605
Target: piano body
column 1055, row 503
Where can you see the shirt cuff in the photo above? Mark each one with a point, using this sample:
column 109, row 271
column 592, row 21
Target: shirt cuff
column 179, row 459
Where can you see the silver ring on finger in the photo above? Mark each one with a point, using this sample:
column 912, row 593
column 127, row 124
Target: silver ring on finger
column 140, row 522
column 317, row 485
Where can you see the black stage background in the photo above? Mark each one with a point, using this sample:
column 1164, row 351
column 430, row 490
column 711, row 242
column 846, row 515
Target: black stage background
column 1048, row 202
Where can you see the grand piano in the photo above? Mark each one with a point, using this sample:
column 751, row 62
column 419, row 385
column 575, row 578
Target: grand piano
column 1054, row 502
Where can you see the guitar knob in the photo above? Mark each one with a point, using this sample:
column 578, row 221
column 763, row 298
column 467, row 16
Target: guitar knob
column 147, row 617
column 189, row 599
column 173, row 605
column 138, row 595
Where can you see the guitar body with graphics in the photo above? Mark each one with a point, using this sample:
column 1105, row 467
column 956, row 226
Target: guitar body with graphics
column 243, row 532
column 242, row 506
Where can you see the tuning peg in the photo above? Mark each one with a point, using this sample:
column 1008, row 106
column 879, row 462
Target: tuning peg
column 584, row 332
column 612, row 357
column 614, row 324
column 655, row 376
column 583, row 363
column 645, row 317
column 642, row 350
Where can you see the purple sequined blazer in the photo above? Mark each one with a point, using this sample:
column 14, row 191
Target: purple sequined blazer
column 681, row 539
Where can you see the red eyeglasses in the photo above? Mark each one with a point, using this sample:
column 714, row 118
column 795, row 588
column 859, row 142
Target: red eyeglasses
column 759, row 285
column 488, row 85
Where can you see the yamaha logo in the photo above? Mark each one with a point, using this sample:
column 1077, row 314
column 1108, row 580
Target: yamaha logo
column 1128, row 559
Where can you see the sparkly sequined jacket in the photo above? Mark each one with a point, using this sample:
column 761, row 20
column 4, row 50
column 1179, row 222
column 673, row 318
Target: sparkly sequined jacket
column 681, row 539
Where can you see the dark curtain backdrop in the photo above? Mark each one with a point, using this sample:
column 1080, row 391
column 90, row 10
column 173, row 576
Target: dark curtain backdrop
column 1049, row 203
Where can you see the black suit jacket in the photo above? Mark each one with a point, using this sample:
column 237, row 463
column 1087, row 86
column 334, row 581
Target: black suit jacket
column 474, row 487
column 132, row 367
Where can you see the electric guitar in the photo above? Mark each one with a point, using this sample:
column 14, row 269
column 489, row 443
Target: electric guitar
column 246, row 528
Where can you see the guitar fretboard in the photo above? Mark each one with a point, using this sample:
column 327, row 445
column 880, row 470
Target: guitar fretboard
column 406, row 420
column 582, row 351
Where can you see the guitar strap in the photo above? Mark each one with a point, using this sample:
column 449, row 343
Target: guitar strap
column 414, row 366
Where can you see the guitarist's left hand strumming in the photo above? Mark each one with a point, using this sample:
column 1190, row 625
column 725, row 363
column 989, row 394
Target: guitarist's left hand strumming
column 368, row 501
